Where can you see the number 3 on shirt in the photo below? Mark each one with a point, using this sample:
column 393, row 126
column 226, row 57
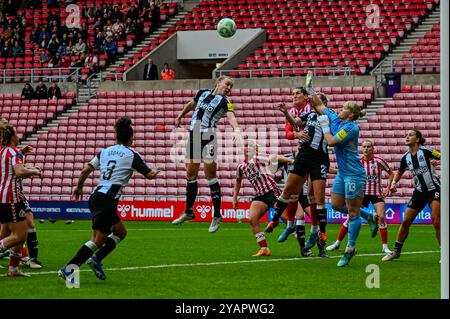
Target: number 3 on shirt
column 111, row 166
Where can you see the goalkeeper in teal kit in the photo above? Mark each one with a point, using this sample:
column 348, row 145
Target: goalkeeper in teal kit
column 342, row 132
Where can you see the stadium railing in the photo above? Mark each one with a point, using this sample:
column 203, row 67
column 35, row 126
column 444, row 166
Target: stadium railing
column 327, row 71
column 404, row 66
column 37, row 74
column 100, row 77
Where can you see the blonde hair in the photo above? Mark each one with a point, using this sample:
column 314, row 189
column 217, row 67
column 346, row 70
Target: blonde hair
column 368, row 141
column 355, row 109
column 7, row 132
column 252, row 143
column 222, row 78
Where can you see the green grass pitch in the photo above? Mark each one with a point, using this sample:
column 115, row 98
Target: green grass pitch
column 160, row 260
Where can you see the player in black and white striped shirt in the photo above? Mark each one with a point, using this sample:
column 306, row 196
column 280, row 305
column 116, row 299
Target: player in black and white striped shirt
column 116, row 163
column 420, row 161
column 209, row 107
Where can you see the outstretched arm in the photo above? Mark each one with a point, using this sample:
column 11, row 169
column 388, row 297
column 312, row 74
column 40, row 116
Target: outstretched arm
column 190, row 106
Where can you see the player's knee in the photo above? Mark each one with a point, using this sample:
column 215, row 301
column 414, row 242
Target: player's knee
column 253, row 221
column 20, row 237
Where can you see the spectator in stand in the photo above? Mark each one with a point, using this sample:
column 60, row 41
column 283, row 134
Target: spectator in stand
column 70, row 49
column 17, row 50
column 156, row 16
column 44, row 42
column 53, row 46
column 79, row 63
column 54, row 92
column 9, row 8
column 133, row 13
column 28, row 92
column 80, row 47
column 41, row 91
column 55, row 61
column 117, row 14
column 62, row 50
column 43, row 57
column 150, row 71
column 91, row 62
column 117, row 29
column 167, row 73
column 99, row 40
column 130, row 27
column 110, row 48
column 6, row 49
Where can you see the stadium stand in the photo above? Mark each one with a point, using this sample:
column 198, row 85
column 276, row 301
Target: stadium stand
column 416, row 106
column 107, row 29
column 74, row 141
column 426, row 48
column 30, row 115
column 334, row 35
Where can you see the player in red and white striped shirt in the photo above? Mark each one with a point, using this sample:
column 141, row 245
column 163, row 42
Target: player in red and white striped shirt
column 373, row 193
column 12, row 208
column 259, row 171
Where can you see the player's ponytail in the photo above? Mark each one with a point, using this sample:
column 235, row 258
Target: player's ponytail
column 356, row 110
column 419, row 136
column 7, row 132
column 124, row 131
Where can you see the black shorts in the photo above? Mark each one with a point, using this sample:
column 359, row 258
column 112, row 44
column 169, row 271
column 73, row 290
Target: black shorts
column 202, row 146
column 12, row 213
column 269, row 198
column 104, row 209
column 371, row 199
column 313, row 162
column 419, row 200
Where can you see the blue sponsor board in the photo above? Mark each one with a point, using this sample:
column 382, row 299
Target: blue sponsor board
column 60, row 210
column 394, row 214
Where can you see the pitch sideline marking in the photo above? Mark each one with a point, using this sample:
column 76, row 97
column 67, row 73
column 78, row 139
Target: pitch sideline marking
column 227, row 262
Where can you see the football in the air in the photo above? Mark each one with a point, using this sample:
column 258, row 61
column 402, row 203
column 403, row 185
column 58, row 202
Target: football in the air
column 226, row 27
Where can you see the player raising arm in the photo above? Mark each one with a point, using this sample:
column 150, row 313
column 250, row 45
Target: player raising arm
column 342, row 132
column 427, row 191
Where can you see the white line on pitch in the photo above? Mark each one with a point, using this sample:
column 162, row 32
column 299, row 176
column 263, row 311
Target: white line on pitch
column 230, row 262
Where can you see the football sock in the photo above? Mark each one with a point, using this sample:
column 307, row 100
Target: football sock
column 354, row 226
column 191, row 195
column 280, row 207
column 343, row 231
column 322, row 215
column 83, row 254
column 32, row 243
column 398, row 247
column 291, row 210
column 314, row 214
column 301, row 233
column 384, row 234
column 216, row 196
column 261, row 239
column 110, row 243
